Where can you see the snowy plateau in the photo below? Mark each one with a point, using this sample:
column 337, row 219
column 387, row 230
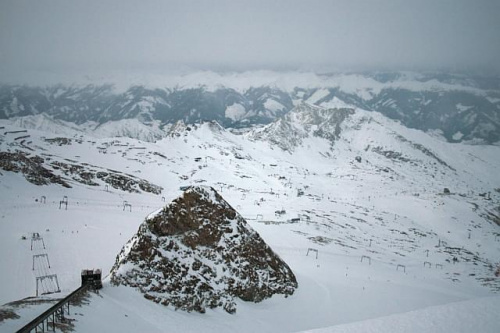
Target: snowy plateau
column 386, row 228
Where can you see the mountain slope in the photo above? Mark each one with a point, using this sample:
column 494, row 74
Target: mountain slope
column 301, row 122
column 365, row 224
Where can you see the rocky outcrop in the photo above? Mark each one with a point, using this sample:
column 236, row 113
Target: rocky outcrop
column 305, row 120
column 199, row 253
column 43, row 171
column 31, row 167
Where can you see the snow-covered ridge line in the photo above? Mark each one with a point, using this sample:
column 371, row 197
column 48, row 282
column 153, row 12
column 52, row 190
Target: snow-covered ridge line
column 286, row 81
column 462, row 108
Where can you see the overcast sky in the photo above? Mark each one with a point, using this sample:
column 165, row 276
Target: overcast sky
column 97, row 36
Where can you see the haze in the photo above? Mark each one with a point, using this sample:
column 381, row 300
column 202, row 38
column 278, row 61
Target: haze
column 98, row 36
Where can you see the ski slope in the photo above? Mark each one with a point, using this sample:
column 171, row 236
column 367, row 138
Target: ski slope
column 384, row 232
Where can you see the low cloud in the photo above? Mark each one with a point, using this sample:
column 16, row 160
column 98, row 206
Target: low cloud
column 99, row 36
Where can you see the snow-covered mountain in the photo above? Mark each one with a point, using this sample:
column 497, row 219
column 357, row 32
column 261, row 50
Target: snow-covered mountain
column 304, row 120
column 373, row 218
column 458, row 107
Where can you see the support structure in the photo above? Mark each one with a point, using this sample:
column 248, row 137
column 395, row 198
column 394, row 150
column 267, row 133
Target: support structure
column 427, row 263
column 43, row 255
column 127, row 205
column 367, row 258
column 312, row 250
column 401, row 266
column 51, row 277
column 35, row 237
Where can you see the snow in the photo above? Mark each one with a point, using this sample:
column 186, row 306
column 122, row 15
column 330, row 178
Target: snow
column 14, row 106
column 493, row 100
column 457, row 136
column 273, row 106
column 365, row 87
column 462, row 108
column 478, row 315
column 390, row 210
column 317, row 96
column 235, row 111
column 335, row 103
column 46, row 123
column 131, row 128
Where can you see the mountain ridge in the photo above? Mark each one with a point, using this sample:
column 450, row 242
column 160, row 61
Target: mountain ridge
column 397, row 217
column 461, row 108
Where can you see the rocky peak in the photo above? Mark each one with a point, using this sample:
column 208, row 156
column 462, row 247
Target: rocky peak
column 198, row 252
column 303, row 121
column 178, row 129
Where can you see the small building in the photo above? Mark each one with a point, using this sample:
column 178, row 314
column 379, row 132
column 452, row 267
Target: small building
column 184, row 188
column 93, row 277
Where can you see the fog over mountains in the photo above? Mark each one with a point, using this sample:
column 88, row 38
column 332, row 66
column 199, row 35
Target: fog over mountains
column 458, row 107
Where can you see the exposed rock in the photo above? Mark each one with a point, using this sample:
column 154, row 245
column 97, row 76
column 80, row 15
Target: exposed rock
column 31, row 167
column 59, row 141
column 424, row 150
column 392, row 155
column 199, row 253
column 127, row 183
column 37, row 170
column 305, row 120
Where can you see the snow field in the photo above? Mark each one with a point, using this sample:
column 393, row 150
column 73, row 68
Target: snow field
column 349, row 209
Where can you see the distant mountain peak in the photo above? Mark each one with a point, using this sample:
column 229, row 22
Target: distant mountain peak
column 461, row 107
column 303, row 121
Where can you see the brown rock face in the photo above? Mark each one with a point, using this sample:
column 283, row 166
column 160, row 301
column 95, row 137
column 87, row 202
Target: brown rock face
column 39, row 171
column 31, row 167
column 198, row 252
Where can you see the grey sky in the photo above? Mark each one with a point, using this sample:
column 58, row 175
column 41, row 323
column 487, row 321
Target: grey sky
column 124, row 35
